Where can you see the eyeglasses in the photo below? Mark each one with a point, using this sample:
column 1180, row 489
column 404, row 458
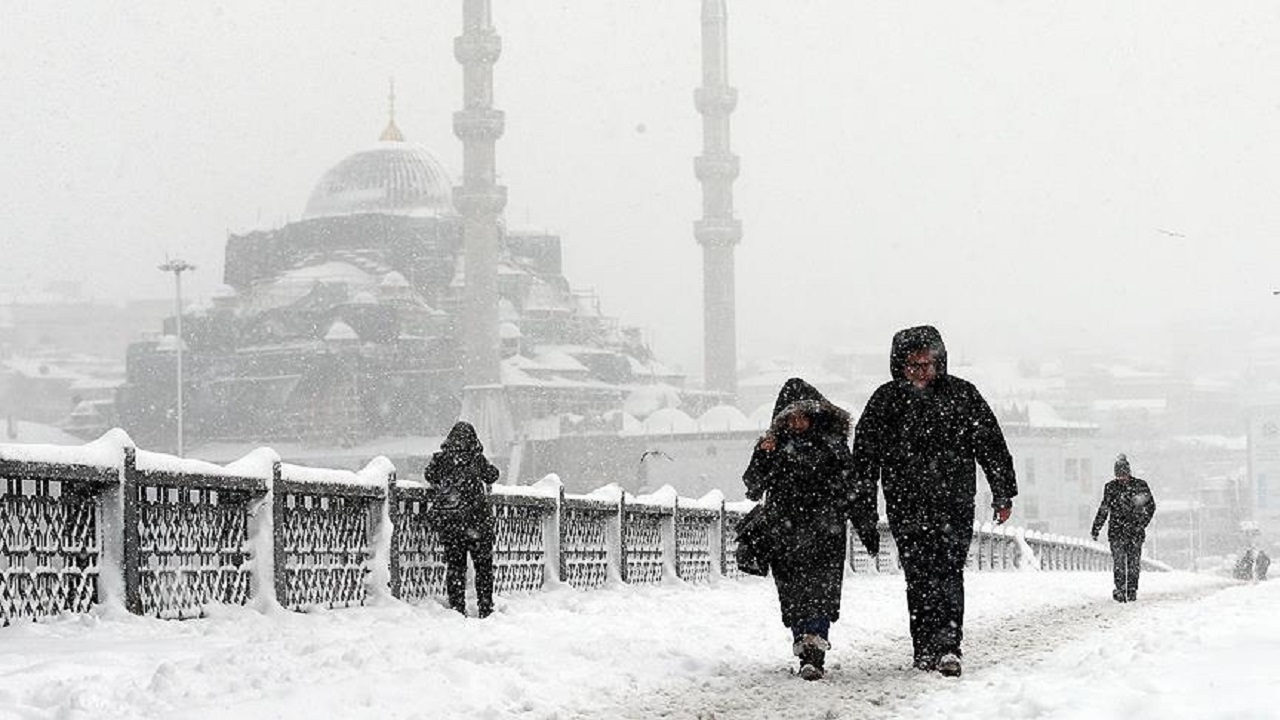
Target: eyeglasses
column 920, row 365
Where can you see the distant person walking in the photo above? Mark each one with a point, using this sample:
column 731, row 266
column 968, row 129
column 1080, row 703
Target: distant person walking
column 1129, row 504
column 461, row 477
column 920, row 435
column 800, row 467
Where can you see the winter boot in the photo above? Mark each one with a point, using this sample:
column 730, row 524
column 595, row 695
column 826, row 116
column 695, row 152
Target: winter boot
column 949, row 665
column 1119, row 596
column 811, row 663
column 812, row 651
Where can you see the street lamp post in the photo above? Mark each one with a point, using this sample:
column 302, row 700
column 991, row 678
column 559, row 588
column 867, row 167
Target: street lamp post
column 177, row 267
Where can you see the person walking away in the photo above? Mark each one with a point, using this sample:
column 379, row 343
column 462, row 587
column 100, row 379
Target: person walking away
column 460, row 512
column 800, row 467
column 1128, row 503
column 1243, row 569
column 922, row 436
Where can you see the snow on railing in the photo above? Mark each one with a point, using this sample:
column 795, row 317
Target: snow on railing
column 108, row 524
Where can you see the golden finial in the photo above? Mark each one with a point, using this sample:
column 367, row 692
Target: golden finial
column 392, row 133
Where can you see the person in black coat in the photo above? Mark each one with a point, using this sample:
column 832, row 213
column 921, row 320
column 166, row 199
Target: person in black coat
column 920, row 436
column 459, row 511
column 1128, row 502
column 800, row 466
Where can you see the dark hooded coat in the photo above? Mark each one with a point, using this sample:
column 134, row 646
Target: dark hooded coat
column 805, row 483
column 461, row 476
column 922, row 444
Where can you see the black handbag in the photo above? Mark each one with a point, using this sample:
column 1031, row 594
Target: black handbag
column 755, row 548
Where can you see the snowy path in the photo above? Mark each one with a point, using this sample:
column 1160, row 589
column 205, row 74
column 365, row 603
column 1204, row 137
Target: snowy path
column 661, row 652
column 875, row 680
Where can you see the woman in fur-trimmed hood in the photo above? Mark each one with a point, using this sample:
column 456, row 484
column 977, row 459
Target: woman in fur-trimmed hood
column 801, row 468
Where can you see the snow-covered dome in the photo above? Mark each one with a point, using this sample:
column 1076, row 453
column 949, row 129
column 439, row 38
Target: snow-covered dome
column 295, row 284
column 393, row 279
column 724, row 418
column 340, row 332
column 668, row 421
column 393, row 177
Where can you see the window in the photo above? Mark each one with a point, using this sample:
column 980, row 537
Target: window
column 1086, row 476
column 1029, row 471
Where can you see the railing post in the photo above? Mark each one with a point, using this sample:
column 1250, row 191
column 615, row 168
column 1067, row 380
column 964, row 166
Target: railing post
column 130, row 557
column 393, row 515
column 552, row 537
column 279, row 517
column 622, row 536
column 110, row 587
column 717, row 539
column 886, row 542
column 670, row 539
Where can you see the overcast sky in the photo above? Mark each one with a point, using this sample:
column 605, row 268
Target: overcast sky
column 1022, row 174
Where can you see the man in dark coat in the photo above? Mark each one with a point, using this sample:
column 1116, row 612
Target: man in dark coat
column 1128, row 501
column 460, row 512
column 920, row 435
column 800, row 467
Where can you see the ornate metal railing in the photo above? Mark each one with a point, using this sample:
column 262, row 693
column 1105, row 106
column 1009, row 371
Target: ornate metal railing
column 187, row 538
column 323, row 534
column 417, row 556
column 729, row 543
column 585, row 529
column 643, row 543
column 167, row 537
column 519, row 547
column 696, row 547
column 49, row 537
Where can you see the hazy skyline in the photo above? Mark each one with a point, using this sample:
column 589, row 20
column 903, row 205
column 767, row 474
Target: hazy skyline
column 1022, row 175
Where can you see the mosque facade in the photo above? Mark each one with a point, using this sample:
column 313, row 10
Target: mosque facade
column 346, row 325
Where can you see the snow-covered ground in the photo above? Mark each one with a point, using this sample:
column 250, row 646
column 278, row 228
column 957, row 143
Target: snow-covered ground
column 1038, row 645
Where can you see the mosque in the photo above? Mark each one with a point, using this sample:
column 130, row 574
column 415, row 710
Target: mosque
column 401, row 301
column 345, row 325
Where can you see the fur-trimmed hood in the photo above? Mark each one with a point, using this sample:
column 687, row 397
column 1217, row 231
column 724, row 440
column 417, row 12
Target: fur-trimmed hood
column 798, row 396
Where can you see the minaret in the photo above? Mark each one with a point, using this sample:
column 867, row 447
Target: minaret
column 481, row 200
column 392, row 133
column 718, row 232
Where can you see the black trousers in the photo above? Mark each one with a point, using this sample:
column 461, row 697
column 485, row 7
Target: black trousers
column 1126, row 564
column 479, row 545
column 933, row 562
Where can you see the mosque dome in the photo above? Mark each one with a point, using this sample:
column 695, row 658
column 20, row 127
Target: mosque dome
column 393, row 177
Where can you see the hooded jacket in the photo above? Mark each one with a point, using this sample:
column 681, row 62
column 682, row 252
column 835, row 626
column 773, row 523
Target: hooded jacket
column 461, row 476
column 805, row 483
column 925, row 445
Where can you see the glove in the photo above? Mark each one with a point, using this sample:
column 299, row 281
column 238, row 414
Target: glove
column 870, row 537
column 1094, row 536
column 1002, row 508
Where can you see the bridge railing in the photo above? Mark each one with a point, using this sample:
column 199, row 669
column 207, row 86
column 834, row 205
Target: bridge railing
column 106, row 523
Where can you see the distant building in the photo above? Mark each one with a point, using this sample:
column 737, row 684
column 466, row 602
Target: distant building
column 345, row 326
column 62, row 355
